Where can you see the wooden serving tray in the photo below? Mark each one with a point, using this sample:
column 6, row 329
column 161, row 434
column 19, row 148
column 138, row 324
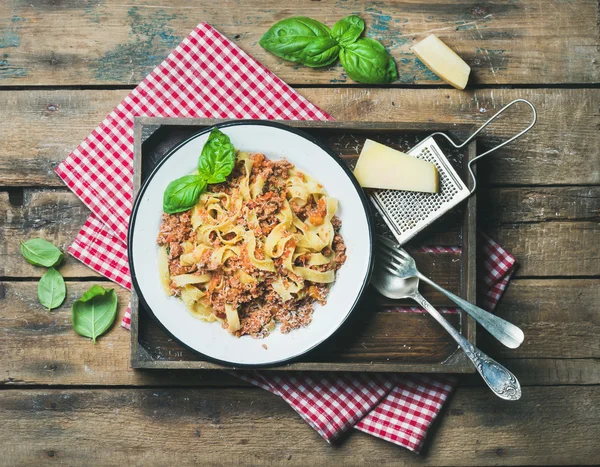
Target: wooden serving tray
column 371, row 339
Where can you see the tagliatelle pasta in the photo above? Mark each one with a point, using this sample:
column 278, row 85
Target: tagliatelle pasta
column 257, row 250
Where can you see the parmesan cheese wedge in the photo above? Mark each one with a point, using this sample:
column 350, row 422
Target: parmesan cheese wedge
column 443, row 61
column 380, row 166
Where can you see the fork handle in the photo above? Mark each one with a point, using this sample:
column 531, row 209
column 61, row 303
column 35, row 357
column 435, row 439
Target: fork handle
column 501, row 381
column 507, row 333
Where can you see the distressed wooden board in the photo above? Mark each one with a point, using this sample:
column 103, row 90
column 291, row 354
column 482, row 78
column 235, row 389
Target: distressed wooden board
column 37, row 347
column 218, row 426
column 39, row 128
column 550, row 215
column 56, row 215
column 544, row 309
column 365, row 342
column 548, row 371
column 81, row 42
column 540, row 204
column 563, row 242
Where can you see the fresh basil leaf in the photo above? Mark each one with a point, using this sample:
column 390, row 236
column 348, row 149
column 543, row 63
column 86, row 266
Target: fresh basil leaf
column 182, row 194
column 93, row 291
column 94, row 312
column 301, row 39
column 51, row 289
column 367, row 61
column 348, row 30
column 218, row 157
column 40, row 252
column 321, row 52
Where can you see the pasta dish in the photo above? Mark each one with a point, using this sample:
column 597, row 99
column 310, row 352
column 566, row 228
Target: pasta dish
column 258, row 250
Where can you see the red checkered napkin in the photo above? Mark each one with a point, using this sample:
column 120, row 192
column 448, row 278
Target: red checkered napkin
column 208, row 76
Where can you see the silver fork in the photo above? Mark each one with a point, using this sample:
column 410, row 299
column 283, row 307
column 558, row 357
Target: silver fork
column 501, row 381
column 397, row 261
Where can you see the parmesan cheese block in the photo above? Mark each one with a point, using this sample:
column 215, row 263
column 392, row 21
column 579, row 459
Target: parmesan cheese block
column 380, row 166
column 443, row 61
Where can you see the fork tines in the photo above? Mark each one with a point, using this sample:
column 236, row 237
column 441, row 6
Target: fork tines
column 387, row 245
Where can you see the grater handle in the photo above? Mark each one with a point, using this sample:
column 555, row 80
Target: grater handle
column 504, row 143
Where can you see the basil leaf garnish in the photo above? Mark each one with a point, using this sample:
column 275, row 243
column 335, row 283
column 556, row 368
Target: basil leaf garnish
column 51, row 289
column 367, row 61
column 214, row 165
column 40, row 252
column 94, row 312
column 182, row 194
column 348, row 30
column 217, row 159
column 301, row 39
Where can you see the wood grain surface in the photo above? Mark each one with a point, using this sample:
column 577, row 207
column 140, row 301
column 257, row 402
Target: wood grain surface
column 79, row 42
column 559, row 150
column 65, row 64
column 217, row 426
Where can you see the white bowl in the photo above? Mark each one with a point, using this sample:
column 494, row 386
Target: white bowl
column 276, row 141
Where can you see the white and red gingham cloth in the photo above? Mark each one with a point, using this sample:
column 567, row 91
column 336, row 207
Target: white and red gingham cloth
column 209, row 76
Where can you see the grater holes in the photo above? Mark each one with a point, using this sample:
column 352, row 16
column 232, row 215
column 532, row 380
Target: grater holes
column 448, row 188
column 407, row 210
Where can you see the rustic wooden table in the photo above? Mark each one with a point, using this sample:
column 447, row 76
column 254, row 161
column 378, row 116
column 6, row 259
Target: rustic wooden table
column 64, row 64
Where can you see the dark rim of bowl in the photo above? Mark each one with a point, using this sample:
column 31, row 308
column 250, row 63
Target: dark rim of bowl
column 281, row 126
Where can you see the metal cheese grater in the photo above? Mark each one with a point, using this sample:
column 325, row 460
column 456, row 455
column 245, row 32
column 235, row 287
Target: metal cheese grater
column 406, row 213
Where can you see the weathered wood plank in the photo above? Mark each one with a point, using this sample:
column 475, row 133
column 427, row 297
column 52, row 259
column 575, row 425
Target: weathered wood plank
column 551, row 248
column 565, row 248
column 505, row 42
column 56, row 216
column 560, row 318
column 204, row 426
column 45, row 128
column 40, row 128
column 539, row 204
column 37, row 347
column 547, row 371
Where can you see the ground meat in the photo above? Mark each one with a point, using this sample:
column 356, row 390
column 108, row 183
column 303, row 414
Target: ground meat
column 255, row 321
column 300, row 316
column 175, row 228
column 259, row 306
column 280, row 173
column 267, row 205
column 340, row 251
column 175, row 268
column 175, row 250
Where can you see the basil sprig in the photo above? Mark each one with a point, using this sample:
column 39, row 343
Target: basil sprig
column 51, row 289
column 214, row 165
column 307, row 41
column 94, row 312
